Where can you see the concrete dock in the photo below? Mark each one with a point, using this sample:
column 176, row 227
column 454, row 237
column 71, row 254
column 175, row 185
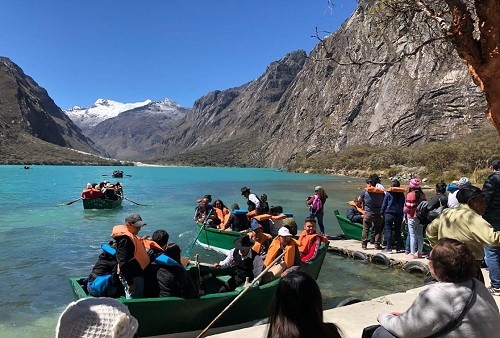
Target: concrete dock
column 365, row 312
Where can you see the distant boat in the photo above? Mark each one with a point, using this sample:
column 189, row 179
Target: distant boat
column 117, row 174
column 26, row 167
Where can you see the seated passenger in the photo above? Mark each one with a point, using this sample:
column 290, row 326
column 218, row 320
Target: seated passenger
column 264, row 204
column 284, row 242
column 309, row 240
column 222, row 213
column 261, row 239
column 456, row 306
column 109, row 192
column 87, row 192
column 238, row 221
column 247, row 263
column 205, row 214
column 104, row 281
column 154, row 247
column 355, row 211
column 96, row 191
column 173, row 280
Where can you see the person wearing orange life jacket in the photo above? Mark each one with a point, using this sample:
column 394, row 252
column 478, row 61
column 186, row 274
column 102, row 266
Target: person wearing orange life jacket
column 131, row 255
column 310, row 241
column 261, row 239
column 87, row 192
column 355, row 211
column 223, row 214
column 372, row 198
column 284, row 242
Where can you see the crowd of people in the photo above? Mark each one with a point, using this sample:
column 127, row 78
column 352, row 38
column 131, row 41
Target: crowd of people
column 103, row 190
column 461, row 222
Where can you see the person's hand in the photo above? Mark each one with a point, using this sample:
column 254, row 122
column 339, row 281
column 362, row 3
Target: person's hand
column 216, row 266
column 131, row 289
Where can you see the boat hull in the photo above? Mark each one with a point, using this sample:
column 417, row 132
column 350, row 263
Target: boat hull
column 350, row 229
column 101, row 203
column 170, row 315
column 216, row 239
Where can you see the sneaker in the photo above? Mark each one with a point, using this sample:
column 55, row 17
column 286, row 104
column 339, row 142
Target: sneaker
column 378, row 247
column 387, row 250
column 394, row 251
column 494, row 291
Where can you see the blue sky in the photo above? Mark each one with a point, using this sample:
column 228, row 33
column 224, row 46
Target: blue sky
column 130, row 51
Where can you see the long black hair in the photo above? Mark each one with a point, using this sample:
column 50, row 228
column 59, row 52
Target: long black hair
column 297, row 309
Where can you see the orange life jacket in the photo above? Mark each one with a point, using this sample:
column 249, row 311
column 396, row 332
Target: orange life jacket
column 259, row 242
column 262, row 217
column 278, row 217
column 361, row 210
column 87, row 193
column 291, row 250
column 223, row 215
column 396, row 189
column 140, row 254
column 305, row 239
column 150, row 244
column 374, row 190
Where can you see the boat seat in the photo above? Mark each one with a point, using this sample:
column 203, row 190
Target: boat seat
column 223, row 278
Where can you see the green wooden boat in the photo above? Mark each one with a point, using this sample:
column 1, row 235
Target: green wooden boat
column 101, row 203
column 216, row 239
column 350, row 229
column 173, row 315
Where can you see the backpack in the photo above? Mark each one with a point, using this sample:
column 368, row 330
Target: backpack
column 422, row 212
column 434, row 213
column 316, row 205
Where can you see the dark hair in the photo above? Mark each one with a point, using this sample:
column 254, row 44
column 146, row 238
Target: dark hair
column 467, row 192
column 221, row 203
column 452, row 261
column 395, row 183
column 310, row 219
column 297, row 309
column 441, row 187
column 495, row 163
column 160, row 237
column 173, row 251
column 235, row 206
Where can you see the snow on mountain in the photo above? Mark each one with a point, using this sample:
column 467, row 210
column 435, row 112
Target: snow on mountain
column 102, row 109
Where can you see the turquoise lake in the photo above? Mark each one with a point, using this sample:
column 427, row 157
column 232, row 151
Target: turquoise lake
column 44, row 242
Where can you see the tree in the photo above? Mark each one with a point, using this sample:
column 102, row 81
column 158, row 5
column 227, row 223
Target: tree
column 471, row 26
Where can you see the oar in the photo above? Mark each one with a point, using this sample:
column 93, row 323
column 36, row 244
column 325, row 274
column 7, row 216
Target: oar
column 128, row 175
column 71, row 202
column 247, row 287
column 188, row 251
column 145, row 205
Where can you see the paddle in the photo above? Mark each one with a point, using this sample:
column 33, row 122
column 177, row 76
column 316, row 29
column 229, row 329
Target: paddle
column 144, row 205
column 128, row 175
column 71, row 202
column 188, row 252
column 246, row 288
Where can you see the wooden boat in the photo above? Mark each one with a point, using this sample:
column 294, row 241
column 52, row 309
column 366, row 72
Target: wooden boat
column 173, row 315
column 218, row 240
column 350, row 229
column 117, row 174
column 101, row 203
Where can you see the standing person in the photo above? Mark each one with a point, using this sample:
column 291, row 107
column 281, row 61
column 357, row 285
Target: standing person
column 465, row 224
column 297, row 310
column 253, row 202
column 437, row 203
column 316, row 205
column 131, row 255
column 372, row 198
column 456, row 306
column 247, row 263
column 491, row 192
column 264, row 204
column 310, row 241
column 392, row 209
column 415, row 228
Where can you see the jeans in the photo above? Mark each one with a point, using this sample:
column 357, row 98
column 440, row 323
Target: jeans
column 319, row 216
column 416, row 234
column 393, row 223
column 492, row 259
column 368, row 221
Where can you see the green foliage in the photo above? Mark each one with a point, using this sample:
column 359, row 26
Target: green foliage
column 446, row 160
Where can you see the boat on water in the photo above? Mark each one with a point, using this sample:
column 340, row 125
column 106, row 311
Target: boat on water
column 222, row 240
column 117, row 174
column 187, row 317
column 101, row 203
column 350, row 229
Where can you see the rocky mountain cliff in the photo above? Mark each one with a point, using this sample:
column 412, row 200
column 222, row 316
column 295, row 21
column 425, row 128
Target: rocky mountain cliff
column 136, row 133
column 29, row 118
column 305, row 106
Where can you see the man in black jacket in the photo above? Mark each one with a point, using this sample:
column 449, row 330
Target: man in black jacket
column 491, row 191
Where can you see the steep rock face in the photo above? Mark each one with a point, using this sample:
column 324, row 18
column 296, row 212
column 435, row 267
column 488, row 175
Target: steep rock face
column 135, row 134
column 236, row 114
column 26, row 108
column 331, row 106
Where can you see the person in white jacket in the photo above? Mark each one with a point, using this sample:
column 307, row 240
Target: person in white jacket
column 457, row 296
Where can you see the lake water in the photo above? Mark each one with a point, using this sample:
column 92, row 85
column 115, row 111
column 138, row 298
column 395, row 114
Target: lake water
column 44, row 242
